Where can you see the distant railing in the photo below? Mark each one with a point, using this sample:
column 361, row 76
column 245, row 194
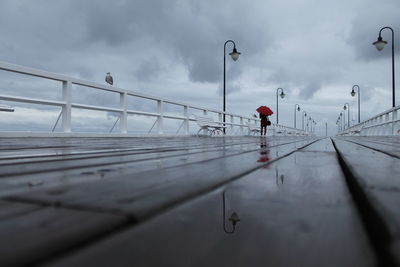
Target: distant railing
column 385, row 123
column 237, row 125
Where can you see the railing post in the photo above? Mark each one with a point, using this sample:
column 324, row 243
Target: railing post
column 394, row 119
column 186, row 115
column 387, row 125
column 123, row 119
column 232, row 120
column 160, row 120
column 241, row 125
column 66, row 109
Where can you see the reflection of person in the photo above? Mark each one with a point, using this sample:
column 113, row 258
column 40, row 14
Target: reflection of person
column 263, row 152
column 264, row 124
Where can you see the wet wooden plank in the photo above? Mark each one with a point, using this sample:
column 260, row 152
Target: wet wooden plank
column 294, row 212
column 143, row 194
column 62, row 170
column 383, row 144
column 40, row 232
column 10, row 209
column 377, row 176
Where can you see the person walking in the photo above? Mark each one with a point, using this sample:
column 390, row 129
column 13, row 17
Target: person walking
column 264, row 113
column 264, row 123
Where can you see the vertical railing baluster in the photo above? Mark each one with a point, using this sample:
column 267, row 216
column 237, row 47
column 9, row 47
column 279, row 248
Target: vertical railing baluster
column 123, row 121
column 160, row 121
column 386, row 127
column 186, row 115
column 241, row 125
column 232, row 121
column 67, row 107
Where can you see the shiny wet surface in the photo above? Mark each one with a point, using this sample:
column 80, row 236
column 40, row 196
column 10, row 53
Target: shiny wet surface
column 295, row 212
column 231, row 201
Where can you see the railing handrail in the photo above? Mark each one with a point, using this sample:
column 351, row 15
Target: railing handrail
column 376, row 125
column 66, row 102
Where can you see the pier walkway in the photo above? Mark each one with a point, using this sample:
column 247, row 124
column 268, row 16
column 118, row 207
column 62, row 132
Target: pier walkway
column 200, row 201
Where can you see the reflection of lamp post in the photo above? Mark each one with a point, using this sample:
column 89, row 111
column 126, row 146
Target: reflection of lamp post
column 353, row 93
column 380, row 44
column 298, row 109
column 348, row 113
column 279, row 177
column 302, row 119
column 282, row 95
column 234, row 219
column 235, row 55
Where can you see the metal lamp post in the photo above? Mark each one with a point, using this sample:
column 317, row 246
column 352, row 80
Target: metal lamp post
column 342, row 121
column 348, row 113
column 282, row 95
column 302, row 119
column 235, row 55
column 298, row 109
column 380, row 44
column 353, row 93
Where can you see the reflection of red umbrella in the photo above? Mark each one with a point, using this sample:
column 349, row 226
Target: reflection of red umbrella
column 263, row 159
column 265, row 110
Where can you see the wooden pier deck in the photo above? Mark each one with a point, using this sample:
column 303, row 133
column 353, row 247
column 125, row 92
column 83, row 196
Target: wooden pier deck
column 168, row 201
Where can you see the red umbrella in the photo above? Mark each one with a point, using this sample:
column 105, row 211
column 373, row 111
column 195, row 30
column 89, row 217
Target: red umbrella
column 265, row 110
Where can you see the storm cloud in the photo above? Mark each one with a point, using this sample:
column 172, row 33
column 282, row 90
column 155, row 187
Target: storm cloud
column 315, row 50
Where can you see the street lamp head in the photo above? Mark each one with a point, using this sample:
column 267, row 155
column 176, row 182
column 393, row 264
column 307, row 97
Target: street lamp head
column 353, row 93
column 282, row 94
column 234, row 218
column 379, row 44
column 234, row 54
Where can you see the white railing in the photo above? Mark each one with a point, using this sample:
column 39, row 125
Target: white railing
column 236, row 124
column 385, row 123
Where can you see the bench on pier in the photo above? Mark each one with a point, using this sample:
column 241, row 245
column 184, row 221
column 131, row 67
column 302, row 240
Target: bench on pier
column 253, row 128
column 208, row 124
column 6, row 108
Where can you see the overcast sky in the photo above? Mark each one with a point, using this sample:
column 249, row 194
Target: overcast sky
column 316, row 50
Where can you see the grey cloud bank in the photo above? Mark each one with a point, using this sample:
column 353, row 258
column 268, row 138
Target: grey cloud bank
column 315, row 50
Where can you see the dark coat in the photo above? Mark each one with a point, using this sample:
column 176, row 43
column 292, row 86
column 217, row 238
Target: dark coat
column 264, row 119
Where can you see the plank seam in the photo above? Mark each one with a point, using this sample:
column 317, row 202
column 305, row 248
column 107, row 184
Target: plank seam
column 375, row 149
column 376, row 228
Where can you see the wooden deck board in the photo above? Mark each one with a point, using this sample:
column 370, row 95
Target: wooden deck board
column 377, row 176
column 144, row 193
column 49, row 171
column 293, row 184
column 43, row 231
column 296, row 212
